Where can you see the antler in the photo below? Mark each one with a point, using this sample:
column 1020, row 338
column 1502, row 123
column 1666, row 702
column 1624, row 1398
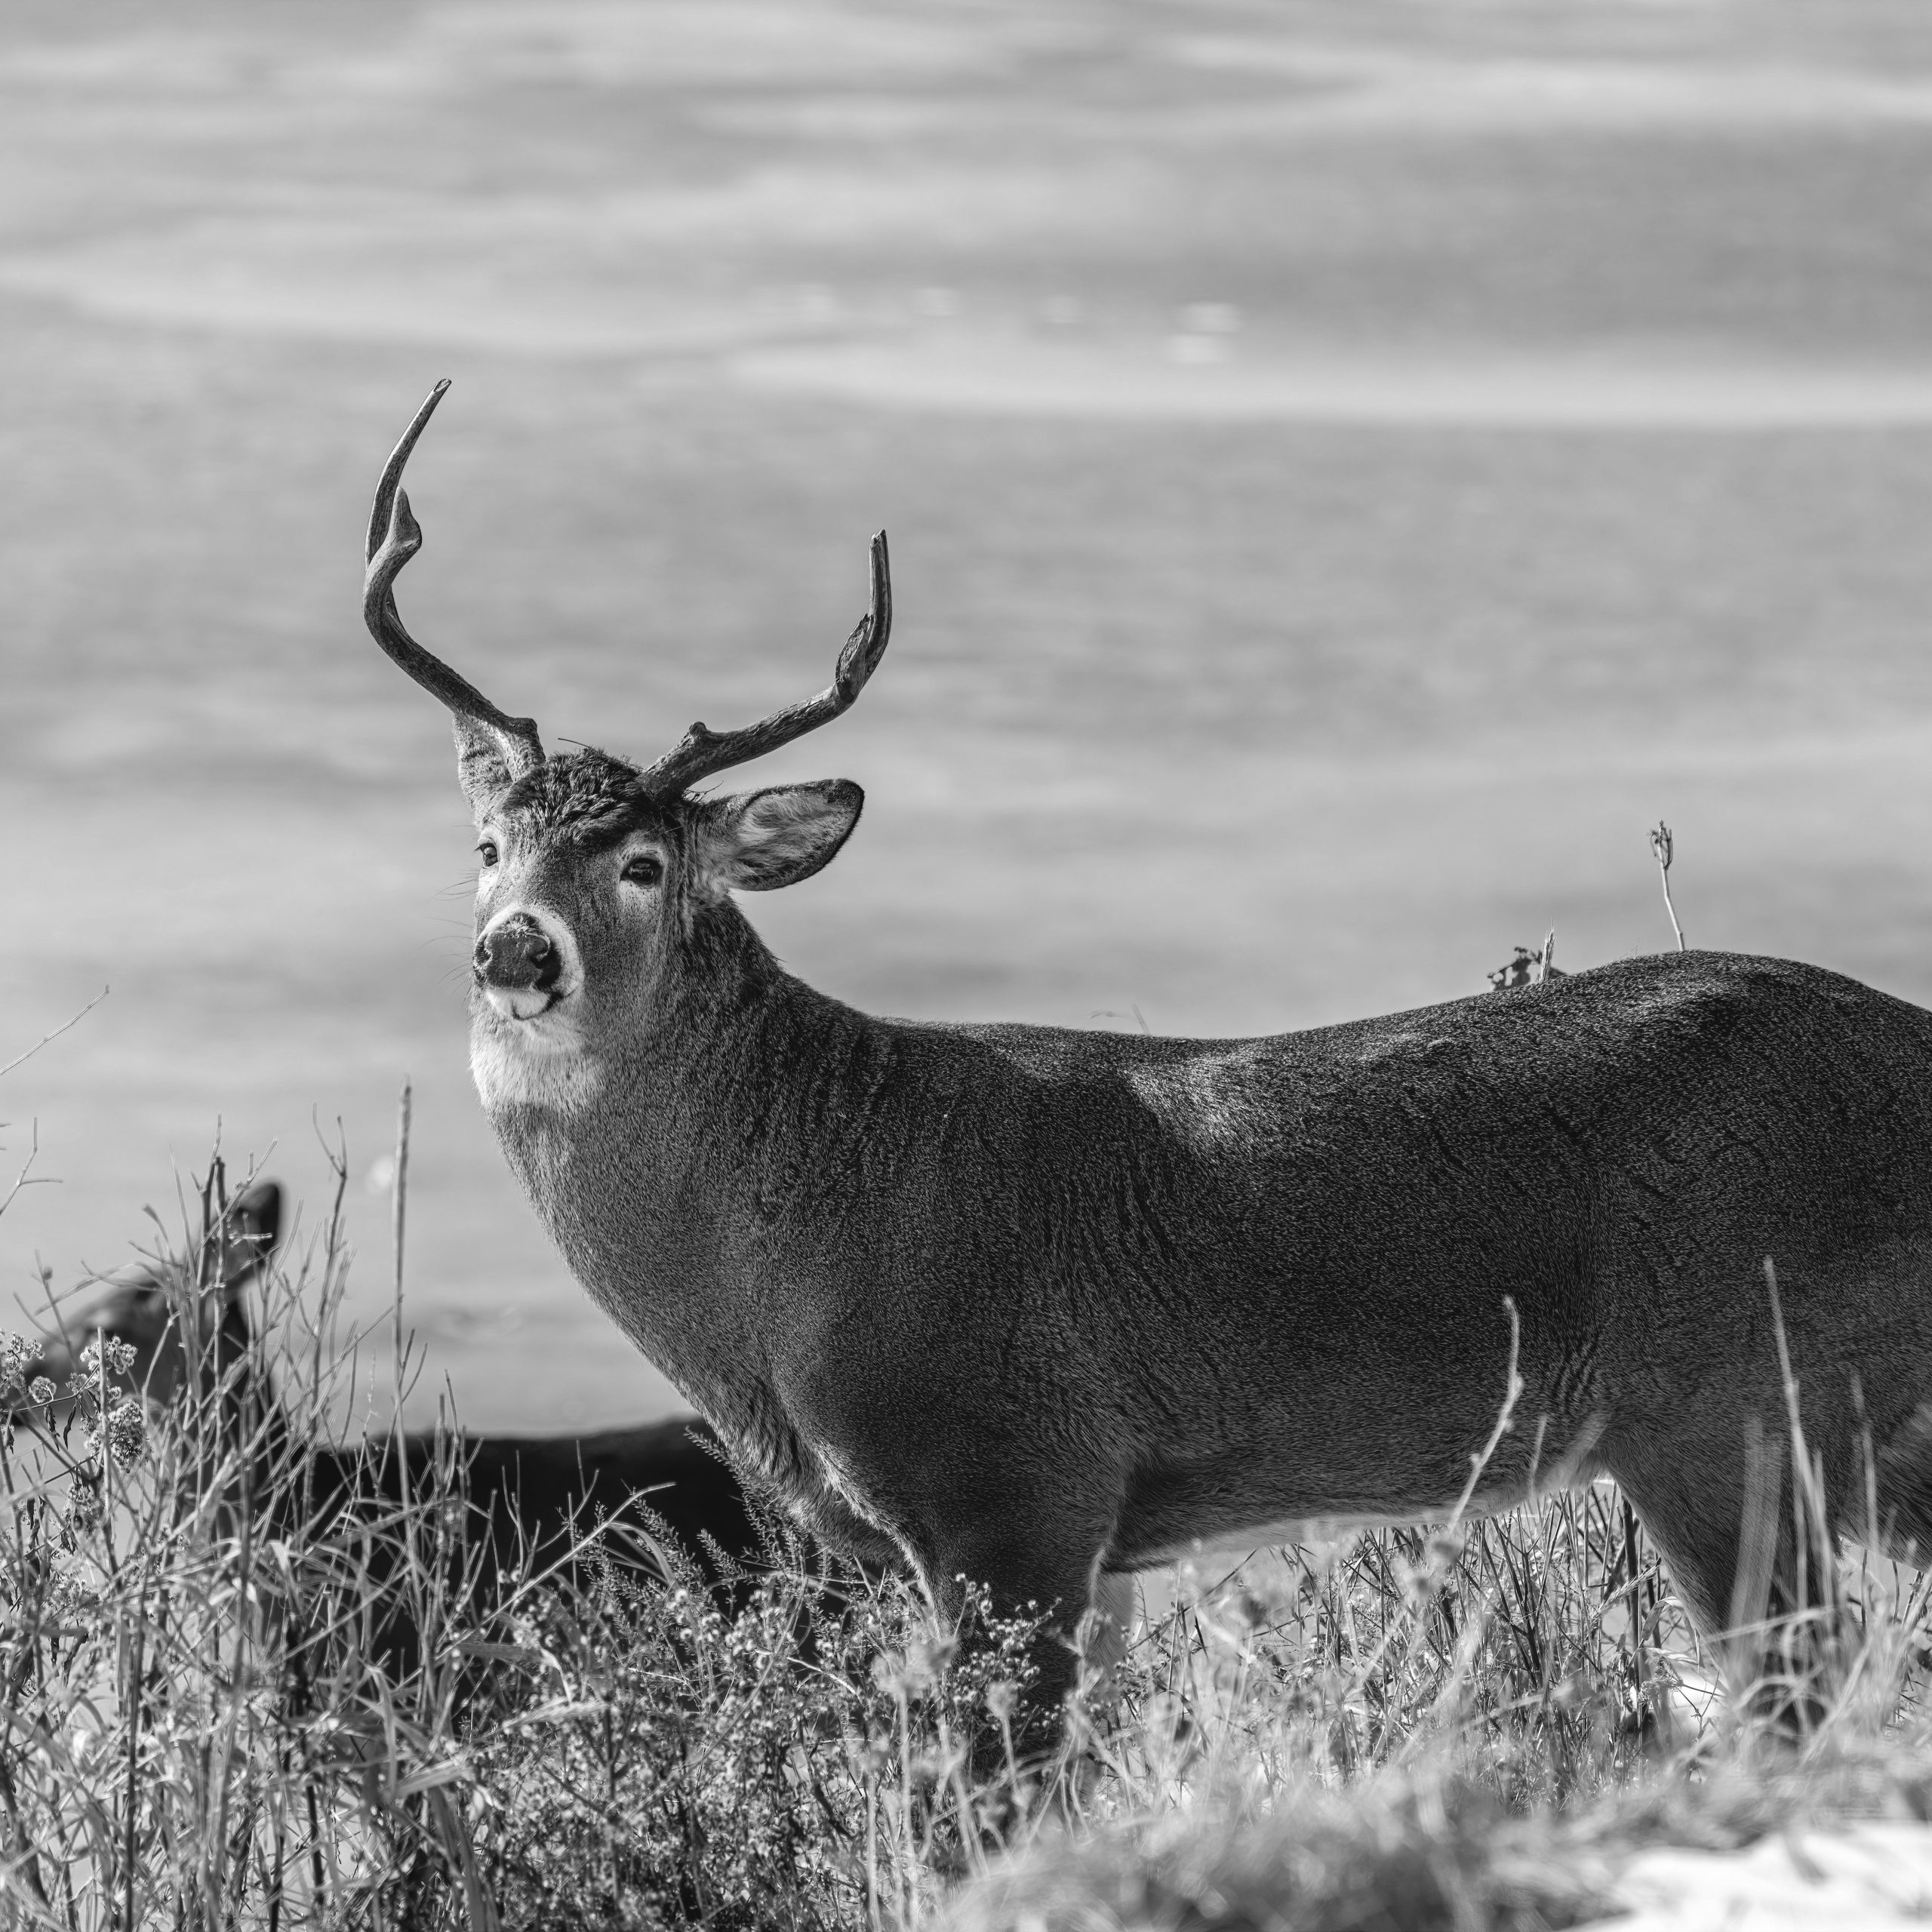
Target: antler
column 395, row 537
column 702, row 751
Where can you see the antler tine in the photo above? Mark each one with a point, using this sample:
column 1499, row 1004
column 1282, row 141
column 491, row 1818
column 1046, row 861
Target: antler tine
column 702, row 752
column 395, row 537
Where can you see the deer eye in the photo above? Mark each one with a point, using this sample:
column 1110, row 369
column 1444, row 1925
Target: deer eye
column 644, row 869
column 487, row 852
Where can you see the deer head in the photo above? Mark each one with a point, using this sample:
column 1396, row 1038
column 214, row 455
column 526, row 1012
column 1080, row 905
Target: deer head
column 603, row 898
column 180, row 1316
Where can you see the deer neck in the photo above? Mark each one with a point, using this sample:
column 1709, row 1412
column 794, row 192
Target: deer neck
column 666, row 1184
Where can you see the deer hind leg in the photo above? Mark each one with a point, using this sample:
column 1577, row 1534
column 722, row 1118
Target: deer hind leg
column 1724, row 1525
column 1718, row 1501
column 1696, row 1517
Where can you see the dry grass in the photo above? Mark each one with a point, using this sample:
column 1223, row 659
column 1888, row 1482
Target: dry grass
column 224, row 1707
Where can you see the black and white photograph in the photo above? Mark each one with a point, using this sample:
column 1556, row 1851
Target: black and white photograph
column 970, row 965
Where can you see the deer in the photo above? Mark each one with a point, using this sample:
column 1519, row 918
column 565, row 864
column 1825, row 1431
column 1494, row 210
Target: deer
column 140, row 1306
column 536, row 1504
column 1042, row 1308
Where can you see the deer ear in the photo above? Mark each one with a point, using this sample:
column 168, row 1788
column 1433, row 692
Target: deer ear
column 255, row 1216
column 481, row 768
column 763, row 840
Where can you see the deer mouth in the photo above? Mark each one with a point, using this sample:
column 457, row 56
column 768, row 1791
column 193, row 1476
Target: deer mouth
column 518, row 1003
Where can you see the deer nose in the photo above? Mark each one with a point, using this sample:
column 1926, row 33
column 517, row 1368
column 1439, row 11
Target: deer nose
column 517, row 952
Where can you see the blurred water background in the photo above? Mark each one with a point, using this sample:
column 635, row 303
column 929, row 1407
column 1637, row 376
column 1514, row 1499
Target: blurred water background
column 1352, row 468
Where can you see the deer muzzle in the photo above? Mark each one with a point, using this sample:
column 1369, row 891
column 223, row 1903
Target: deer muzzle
column 518, row 965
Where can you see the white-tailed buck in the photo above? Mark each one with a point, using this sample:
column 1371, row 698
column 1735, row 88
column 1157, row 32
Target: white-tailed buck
column 1040, row 1307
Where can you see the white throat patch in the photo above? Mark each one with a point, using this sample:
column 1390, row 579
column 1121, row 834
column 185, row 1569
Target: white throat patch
column 539, row 1062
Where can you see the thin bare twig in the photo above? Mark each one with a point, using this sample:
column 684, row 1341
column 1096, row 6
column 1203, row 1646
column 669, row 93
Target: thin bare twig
column 399, row 1202
column 1636, row 1600
column 26, row 1177
column 67, row 1026
column 1663, row 849
column 1505, row 1417
column 129, row 1872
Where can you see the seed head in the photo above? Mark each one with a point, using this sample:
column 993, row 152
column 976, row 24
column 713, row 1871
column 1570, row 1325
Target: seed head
column 125, row 1432
column 117, row 1355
